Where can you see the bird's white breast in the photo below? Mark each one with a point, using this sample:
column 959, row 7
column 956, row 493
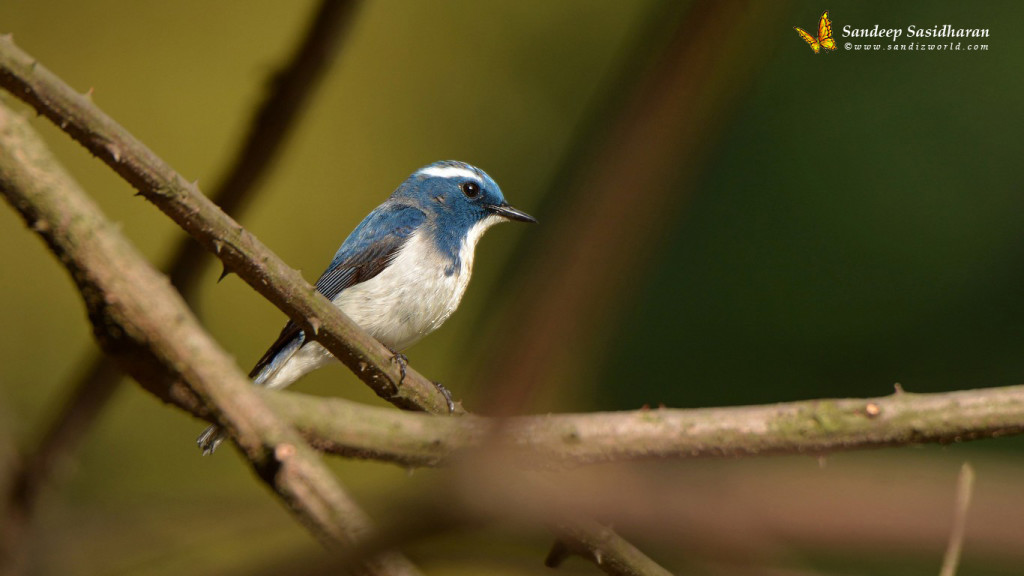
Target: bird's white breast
column 414, row 295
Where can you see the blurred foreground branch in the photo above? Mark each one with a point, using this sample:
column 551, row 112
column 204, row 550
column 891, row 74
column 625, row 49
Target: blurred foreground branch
column 864, row 511
column 140, row 320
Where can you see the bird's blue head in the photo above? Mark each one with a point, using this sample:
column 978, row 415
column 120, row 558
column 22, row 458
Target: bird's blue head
column 459, row 195
column 461, row 202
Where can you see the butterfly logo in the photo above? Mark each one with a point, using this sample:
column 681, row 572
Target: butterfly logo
column 824, row 40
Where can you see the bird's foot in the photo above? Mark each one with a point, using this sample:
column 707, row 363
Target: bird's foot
column 210, row 439
column 402, row 360
column 447, row 396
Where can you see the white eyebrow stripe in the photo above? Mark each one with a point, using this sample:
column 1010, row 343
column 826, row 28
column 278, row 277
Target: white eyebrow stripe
column 449, row 172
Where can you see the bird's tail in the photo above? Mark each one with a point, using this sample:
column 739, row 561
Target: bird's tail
column 262, row 375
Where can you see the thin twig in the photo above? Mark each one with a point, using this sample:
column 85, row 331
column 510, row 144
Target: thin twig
column 602, row 546
column 141, row 321
column 964, row 490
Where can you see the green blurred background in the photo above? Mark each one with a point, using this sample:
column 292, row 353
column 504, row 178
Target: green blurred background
column 847, row 221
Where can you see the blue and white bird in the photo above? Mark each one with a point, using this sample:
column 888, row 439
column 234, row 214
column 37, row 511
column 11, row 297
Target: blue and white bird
column 400, row 274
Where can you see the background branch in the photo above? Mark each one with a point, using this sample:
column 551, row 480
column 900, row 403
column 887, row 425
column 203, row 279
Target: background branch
column 290, row 89
column 140, row 320
column 656, row 131
column 31, row 471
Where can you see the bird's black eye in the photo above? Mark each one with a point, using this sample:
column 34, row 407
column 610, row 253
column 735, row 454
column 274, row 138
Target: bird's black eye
column 471, row 189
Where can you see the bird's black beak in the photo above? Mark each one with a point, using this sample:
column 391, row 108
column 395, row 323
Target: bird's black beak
column 506, row 211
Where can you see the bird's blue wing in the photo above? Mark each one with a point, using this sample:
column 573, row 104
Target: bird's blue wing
column 365, row 253
column 370, row 247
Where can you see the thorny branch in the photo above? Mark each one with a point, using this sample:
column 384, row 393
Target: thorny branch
column 815, row 427
column 818, row 426
column 94, row 385
column 241, row 252
column 141, row 321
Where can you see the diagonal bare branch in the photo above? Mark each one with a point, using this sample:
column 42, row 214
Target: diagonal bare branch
column 292, row 86
column 240, row 252
column 141, row 321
